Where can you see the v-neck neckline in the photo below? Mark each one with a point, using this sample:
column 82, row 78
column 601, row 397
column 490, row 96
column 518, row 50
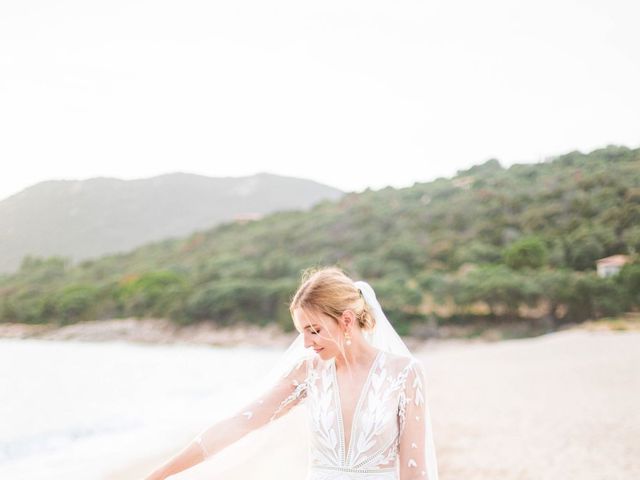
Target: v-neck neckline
column 346, row 449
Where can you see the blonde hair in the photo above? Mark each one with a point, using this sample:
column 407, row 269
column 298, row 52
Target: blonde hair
column 329, row 290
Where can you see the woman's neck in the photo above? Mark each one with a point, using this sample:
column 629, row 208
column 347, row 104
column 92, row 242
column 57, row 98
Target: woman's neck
column 358, row 354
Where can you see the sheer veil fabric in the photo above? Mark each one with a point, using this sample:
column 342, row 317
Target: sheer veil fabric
column 287, row 384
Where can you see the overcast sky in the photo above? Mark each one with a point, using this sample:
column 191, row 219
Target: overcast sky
column 353, row 94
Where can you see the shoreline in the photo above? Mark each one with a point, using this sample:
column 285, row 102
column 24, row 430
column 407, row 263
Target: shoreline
column 157, row 331
column 160, row 331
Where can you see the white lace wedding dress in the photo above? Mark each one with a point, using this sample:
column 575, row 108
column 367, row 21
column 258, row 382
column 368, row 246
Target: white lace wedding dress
column 384, row 438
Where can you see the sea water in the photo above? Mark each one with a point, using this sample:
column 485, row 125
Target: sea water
column 79, row 410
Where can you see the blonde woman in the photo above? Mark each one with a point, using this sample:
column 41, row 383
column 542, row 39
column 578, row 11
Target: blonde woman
column 363, row 390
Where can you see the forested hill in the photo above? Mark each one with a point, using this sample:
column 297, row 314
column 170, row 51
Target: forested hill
column 492, row 242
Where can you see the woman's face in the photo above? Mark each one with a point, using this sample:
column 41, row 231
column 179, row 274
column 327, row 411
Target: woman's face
column 321, row 332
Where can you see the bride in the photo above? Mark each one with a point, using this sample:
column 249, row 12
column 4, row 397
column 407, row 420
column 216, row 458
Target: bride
column 364, row 392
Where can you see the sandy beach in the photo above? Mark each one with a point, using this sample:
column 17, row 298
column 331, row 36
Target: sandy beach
column 559, row 406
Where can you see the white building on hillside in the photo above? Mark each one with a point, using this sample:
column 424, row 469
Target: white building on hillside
column 609, row 266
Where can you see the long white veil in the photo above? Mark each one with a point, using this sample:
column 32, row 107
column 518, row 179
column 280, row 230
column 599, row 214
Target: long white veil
column 383, row 336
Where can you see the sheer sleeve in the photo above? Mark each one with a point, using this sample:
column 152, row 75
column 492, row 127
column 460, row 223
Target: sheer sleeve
column 413, row 420
column 287, row 392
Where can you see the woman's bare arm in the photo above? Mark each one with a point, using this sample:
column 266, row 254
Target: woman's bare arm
column 186, row 458
column 275, row 403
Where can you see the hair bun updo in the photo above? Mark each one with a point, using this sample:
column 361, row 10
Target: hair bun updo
column 329, row 290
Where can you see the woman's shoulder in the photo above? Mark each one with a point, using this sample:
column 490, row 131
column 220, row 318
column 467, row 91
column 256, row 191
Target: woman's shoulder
column 405, row 368
column 398, row 358
column 397, row 362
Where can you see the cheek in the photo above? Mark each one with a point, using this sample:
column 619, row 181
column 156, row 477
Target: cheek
column 324, row 338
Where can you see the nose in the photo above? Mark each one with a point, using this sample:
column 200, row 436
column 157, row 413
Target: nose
column 308, row 341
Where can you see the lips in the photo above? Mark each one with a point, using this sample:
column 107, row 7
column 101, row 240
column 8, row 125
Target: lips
column 318, row 349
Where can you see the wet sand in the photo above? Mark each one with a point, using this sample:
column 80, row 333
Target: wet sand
column 560, row 406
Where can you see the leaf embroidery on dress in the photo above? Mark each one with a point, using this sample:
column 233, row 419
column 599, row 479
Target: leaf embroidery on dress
column 368, row 424
column 376, row 425
column 375, row 417
column 323, row 416
column 298, row 392
column 205, row 452
column 417, row 387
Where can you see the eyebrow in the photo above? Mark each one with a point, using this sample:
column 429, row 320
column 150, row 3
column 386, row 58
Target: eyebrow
column 313, row 325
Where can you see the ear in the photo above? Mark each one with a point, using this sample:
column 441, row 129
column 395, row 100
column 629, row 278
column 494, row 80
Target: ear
column 348, row 319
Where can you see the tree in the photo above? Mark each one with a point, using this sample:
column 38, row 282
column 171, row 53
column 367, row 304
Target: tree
column 502, row 289
column 75, row 301
column 150, row 292
column 629, row 278
column 528, row 252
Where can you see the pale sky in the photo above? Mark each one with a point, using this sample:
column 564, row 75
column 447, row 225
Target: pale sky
column 354, row 94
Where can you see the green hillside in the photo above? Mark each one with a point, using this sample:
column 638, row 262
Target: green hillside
column 491, row 243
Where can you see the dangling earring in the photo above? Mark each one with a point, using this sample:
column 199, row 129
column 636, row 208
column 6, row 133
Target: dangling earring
column 348, row 338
